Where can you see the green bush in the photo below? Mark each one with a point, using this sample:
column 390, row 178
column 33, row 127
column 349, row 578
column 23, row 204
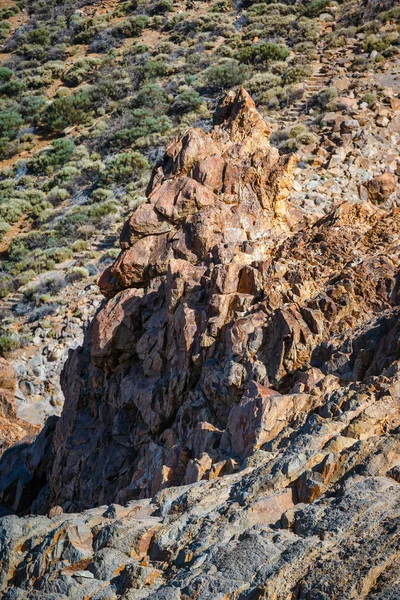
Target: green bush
column 4, row 227
column 186, row 100
column 315, row 8
column 31, row 105
column 80, row 246
column 161, row 7
column 76, row 274
column 5, row 74
column 8, row 343
column 125, row 166
column 152, row 95
column 392, row 14
column 226, row 74
column 142, row 123
column 101, row 194
column 12, row 210
column 25, row 277
column 291, row 139
column 155, row 68
column 74, row 109
column 46, row 161
column 6, row 285
column 79, row 71
column 4, row 30
column 103, row 210
column 295, row 74
column 62, row 254
column 10, row 123
column 323, row 97
column 369, row 99
column 263, row 53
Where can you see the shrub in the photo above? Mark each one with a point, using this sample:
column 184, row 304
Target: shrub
column 79, row 71
column 11, row 211
column 315, row 8
column 374, row 42
column 25, row 277
column 295, row 74
column 74, row 109
column 101, row 194
column 103, row 210
column 5, row 74
column 161, row 7
column 290, row 139
column 61, row 152
column 188, row 99
column 31, row 105
column 155, row 68
column 80, row 246
column 8, row 343
column 141, row 123
column 263, row 53
column 6, row 285
column 62, row 254
column 10, row 123
column 57, row 195
column 152, row 95
column 4, row 227
column 125, row 166
column 369, row 99
column 76, row 274
column 4, row 30
column 323, row 97
column 226, row 74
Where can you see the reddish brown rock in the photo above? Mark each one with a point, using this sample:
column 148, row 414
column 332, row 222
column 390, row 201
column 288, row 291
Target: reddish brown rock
column 210, row 194
column 381, row 188
column 12, row 429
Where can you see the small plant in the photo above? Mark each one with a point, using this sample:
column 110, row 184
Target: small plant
column 76, row 274
column 8, row 343
column 369, row 99
column 291, row 139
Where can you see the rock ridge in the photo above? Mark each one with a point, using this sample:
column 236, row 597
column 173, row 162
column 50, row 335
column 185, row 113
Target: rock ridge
column 243, row 373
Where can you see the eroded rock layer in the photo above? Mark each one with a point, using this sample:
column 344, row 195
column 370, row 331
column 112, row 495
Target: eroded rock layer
column 12, row 429
column 250, row 358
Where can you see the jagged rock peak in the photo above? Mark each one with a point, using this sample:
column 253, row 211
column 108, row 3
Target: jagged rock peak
column 210, row 195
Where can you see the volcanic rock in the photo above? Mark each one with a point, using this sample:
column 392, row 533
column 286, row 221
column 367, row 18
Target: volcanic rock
column 12, row 429
column 244, row 374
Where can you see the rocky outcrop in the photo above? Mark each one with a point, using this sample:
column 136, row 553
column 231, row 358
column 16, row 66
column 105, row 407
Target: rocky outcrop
column 211, row 195
column 12, row 429
column 244, row 372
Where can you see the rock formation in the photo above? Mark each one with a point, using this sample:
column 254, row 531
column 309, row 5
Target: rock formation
column 244, row 372
column 12, row 429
